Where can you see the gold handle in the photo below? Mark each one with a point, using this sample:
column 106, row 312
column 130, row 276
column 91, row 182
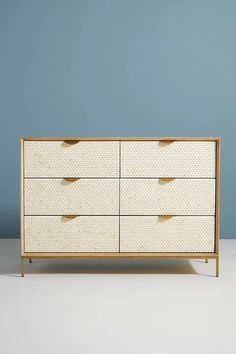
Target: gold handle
column 167, row 141
column 167, row 179
column 70, row 216
column 71, row 142
column 71, row 179
column 166, row 217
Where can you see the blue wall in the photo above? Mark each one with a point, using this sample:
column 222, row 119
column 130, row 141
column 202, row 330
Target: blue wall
column 116, row 68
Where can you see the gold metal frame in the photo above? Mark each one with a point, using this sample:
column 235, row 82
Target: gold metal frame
column 167, row 140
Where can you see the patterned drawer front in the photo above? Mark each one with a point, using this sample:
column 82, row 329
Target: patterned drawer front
column 179, row 234
column 83, row 234
column 177, row 197
column 83, row 197
column 59, row 159
column 158, row 159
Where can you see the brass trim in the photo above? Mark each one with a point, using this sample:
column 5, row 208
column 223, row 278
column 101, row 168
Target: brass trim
column 163, row 255
column 117, row 138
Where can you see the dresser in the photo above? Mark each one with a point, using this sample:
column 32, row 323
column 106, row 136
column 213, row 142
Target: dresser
column 85, row 197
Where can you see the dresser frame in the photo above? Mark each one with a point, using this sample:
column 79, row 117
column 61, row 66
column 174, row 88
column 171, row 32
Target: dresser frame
column 205, row 256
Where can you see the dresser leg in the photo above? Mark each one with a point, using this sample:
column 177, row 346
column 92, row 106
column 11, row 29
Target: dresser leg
column 206, row 260
column 30, row 260
column 22, row 266
column 217, row 266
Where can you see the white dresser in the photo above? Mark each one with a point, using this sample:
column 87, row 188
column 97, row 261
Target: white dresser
column 120, row 197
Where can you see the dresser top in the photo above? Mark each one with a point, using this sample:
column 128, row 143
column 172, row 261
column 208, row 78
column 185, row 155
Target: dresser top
column 96, row 138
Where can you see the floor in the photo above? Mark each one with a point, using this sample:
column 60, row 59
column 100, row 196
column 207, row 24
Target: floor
column 111, row 307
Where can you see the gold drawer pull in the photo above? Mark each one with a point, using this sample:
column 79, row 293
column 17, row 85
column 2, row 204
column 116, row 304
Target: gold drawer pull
column 68, row 179
column 70, row 216
column 167, row 179
column 167, row 141
column 71, row 142
column 166, row 217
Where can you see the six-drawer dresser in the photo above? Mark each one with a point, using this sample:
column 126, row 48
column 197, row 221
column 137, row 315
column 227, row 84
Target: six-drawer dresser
column 120, row 197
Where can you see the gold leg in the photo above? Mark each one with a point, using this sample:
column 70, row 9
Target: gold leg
column 217, row 266
column 22, row 266
column 206, row 260
column 30, row 260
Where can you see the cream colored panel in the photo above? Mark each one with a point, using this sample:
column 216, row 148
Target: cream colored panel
column 178, row 197
column 58, row 159
column 178, row 159
column 179, row 234
column 58, row 197
column 83, row 234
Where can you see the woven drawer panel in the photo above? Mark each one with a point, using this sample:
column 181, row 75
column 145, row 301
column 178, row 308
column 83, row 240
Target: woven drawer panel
column 83, row 234
column 178, row 197
column 83, row 197
column 179, row 234
column 178, row 159
column 58, row 159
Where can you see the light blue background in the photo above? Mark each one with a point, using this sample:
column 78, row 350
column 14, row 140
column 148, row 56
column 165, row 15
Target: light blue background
column 116, row 68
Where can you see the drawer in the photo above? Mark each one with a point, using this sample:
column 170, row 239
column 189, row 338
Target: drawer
column 178, row 234
column 83, row 197
column 82, row 234
column 59, row 159
column 177, row 159
column 176, row 197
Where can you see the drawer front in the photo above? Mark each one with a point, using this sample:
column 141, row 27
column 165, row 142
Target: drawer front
column 177, row 159
column 179, row 234
column 177, row 197
column 83, row 234
column 59, row 159
column 82, row 197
